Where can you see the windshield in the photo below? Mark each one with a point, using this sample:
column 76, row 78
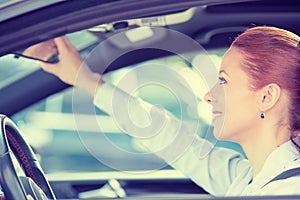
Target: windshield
column 50, row 125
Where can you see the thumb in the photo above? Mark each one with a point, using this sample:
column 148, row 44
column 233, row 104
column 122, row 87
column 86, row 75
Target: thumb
column 50, row 68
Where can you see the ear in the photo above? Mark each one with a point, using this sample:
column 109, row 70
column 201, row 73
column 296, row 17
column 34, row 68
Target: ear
column 269, row 96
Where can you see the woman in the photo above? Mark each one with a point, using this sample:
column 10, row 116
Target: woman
column 255, row 103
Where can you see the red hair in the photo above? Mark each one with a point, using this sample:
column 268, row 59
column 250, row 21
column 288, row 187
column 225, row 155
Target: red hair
column 272, row 55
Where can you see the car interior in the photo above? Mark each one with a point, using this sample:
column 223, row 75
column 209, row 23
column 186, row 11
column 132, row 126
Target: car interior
column 39, row 111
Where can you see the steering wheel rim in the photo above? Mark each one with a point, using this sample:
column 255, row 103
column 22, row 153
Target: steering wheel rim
column 11, row 141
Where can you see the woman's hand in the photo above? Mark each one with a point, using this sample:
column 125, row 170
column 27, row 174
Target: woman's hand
column 71, row 68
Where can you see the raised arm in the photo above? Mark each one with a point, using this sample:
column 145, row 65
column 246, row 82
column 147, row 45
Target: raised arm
column 71, row 69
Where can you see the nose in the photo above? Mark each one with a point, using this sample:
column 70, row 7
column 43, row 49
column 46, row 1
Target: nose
column 208, row 97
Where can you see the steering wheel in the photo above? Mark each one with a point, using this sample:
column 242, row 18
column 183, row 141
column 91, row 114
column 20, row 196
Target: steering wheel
column 14, row 186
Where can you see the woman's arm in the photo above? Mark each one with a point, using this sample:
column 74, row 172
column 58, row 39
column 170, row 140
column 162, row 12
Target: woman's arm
column 71, row 69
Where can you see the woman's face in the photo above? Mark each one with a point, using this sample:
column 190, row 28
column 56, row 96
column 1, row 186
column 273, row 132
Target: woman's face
column 235, row 110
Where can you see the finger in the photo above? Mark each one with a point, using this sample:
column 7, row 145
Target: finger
column 68, row 42
column 51, row 68
column 61, row 44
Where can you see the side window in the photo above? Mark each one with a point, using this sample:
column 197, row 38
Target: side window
column 50, row 127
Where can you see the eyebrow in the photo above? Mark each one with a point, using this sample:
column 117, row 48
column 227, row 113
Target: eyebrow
column 223, row 71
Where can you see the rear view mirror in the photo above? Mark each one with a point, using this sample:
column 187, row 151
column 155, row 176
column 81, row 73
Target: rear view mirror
column 46, row 52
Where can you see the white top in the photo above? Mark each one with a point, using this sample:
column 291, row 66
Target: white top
column 220, row 171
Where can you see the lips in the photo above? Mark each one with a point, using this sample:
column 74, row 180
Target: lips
column 216, row 114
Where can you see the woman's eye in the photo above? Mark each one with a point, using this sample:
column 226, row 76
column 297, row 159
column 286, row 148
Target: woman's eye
column 222, row 80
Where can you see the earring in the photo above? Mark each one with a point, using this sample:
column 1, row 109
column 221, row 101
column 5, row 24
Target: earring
column 262, row 115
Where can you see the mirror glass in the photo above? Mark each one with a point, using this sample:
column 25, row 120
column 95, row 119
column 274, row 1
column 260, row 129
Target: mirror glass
column 45, row 52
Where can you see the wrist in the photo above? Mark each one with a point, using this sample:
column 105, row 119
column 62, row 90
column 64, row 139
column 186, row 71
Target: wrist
column 90, row 82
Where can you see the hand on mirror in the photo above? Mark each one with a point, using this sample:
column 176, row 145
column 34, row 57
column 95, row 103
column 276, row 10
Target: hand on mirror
column 45, row 52
column 71, row 69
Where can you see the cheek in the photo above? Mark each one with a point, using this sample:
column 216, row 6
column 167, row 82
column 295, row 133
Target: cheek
column 239, row 116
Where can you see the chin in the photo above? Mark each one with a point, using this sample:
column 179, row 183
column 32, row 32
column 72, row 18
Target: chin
column 217, row 133
column 220, row 134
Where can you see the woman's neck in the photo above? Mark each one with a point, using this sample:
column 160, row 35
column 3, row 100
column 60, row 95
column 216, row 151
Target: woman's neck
column 258, row 155
column 262, row 143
